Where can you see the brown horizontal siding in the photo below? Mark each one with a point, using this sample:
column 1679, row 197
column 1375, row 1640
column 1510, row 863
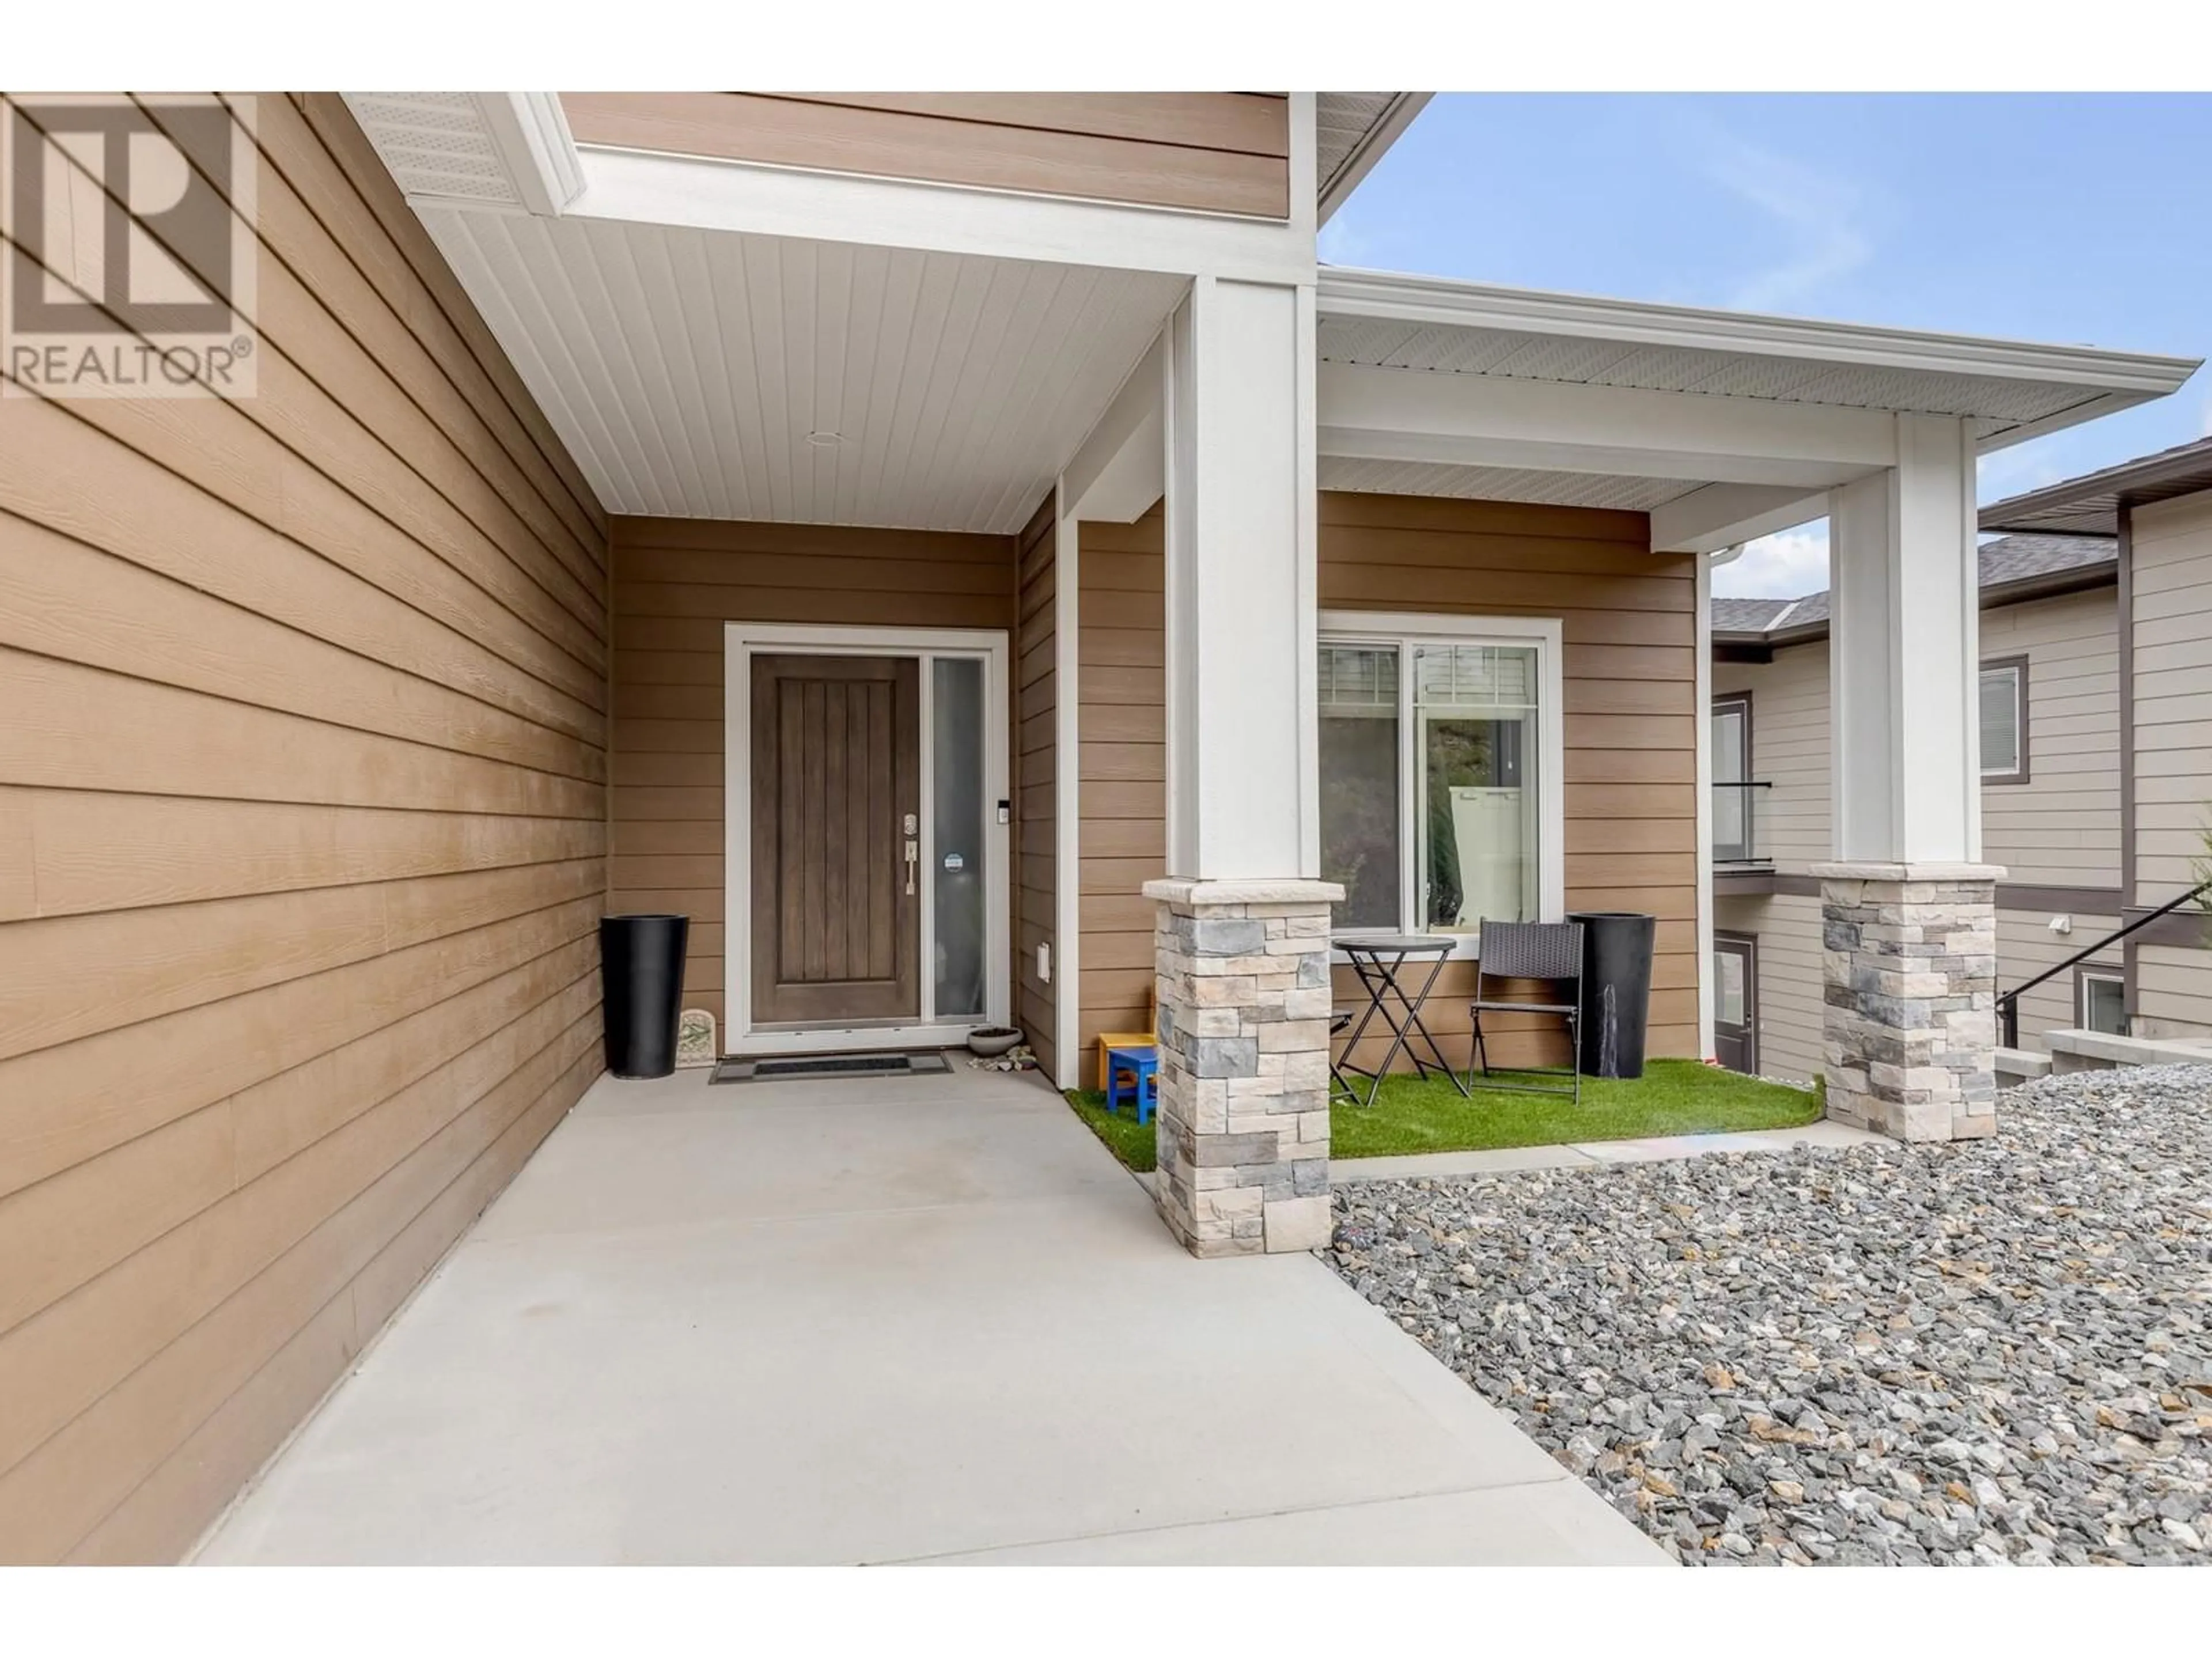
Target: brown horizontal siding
column 677, row 583
column 1123, row 780
column 302, row 840
column 1036, row 811
column 1628, row 626
column 1219, row 152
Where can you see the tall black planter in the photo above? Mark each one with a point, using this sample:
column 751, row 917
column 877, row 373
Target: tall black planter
column 641, row 980
column 1616, row 991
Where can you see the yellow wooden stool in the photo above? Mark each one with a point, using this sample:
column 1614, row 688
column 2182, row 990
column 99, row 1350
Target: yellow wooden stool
column 1148, row 1038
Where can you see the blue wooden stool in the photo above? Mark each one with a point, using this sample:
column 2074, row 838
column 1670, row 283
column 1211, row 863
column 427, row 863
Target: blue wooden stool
column 1142, row 1067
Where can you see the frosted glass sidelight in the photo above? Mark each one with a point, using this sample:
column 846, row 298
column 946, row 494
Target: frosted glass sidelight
column 956, row 821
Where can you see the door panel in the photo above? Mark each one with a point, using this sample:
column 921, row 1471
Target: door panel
column 836, row 782
column 1735, row 1001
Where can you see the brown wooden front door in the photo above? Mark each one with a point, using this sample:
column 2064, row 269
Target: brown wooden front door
column 836, row 786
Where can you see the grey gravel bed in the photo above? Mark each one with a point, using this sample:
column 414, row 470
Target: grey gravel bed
column 1991, row 1352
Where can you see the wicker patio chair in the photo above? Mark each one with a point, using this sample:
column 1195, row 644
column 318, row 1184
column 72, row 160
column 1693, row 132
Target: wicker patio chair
column 1550, row 952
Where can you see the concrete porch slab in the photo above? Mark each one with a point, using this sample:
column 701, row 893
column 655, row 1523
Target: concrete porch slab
column 1543, row 1525
column 909, row 1320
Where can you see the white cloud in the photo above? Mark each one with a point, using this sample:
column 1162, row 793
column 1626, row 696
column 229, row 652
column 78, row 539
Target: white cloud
column 1787, row 566
column 1819, row 213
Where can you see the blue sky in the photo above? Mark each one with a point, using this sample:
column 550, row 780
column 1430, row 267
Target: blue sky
column 2073, row 218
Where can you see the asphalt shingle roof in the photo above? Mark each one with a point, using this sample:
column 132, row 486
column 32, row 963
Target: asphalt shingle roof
column 2007, row 560
column 2090, row 505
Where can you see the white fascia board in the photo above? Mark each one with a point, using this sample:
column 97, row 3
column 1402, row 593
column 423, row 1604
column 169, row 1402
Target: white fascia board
column 709, row 194
column 1404, row 106
column 530, row 132
column 1721, row 515
column 1408, row 298
column 1536, row 455
column 1304, row 162
column 2091, row 408
column 1485, row 420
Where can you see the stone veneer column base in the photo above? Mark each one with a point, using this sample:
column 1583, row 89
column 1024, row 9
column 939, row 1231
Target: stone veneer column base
column 1243, row 1081
column 1909, row 966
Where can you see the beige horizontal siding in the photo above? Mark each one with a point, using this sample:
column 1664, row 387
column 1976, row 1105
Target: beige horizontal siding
column 1791, row 1009
column 1219, row 152
column 2063, row 826
column 1789, row 750
column 2026, row 947
column 2173, row 991
column 302, row 850
column 2170, row 554
column 677, row 583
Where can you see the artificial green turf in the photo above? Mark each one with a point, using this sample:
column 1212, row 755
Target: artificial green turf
column 1124, row 1138
column 1673, row 1097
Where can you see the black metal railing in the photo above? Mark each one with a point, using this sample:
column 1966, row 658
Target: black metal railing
column 1737, row 838
column 2008, row 1002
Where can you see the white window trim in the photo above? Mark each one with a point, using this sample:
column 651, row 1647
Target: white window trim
column 1405, row 629
column 2112, row 973
column 2017, row 667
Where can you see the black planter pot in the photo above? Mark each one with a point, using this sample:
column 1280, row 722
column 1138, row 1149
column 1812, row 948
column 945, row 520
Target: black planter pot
column 641, row 980
column 1616, row 991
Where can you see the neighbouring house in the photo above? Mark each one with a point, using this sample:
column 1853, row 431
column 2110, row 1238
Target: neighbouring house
column 2156, row 513
column 2049, row 731
column 961, row 550
column 2095, row 757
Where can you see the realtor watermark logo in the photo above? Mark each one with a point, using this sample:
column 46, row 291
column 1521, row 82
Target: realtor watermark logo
column 130, row 253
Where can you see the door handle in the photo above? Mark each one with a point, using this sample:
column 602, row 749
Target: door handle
column 913, row 858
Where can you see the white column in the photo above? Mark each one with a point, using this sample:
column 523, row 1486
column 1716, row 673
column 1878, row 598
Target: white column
column 1904, row 658
column 1243, row 798
column 1704, row 776
column 1908, row 911
column 1067, row 794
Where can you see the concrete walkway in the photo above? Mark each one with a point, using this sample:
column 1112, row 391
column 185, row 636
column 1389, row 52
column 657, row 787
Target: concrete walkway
column 921, row 1320
column 1590, row 1154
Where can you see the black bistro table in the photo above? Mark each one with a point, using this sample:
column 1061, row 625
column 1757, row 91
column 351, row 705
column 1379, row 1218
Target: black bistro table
column 1379, row 961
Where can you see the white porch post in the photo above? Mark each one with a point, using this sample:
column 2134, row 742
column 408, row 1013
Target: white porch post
column 1241, row 943
column 1908, row 907
column 1240, row 600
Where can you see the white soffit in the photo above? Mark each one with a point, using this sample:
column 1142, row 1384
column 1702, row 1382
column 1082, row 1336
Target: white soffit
column 437, row 143
column 701, row 374
column 1352, row 130
column 2010, row 390
column 1498, row 484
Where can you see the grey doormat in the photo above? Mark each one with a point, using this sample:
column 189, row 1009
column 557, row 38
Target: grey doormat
column 827, row 1065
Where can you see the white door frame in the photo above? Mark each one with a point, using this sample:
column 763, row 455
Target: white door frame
column 741, row 641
